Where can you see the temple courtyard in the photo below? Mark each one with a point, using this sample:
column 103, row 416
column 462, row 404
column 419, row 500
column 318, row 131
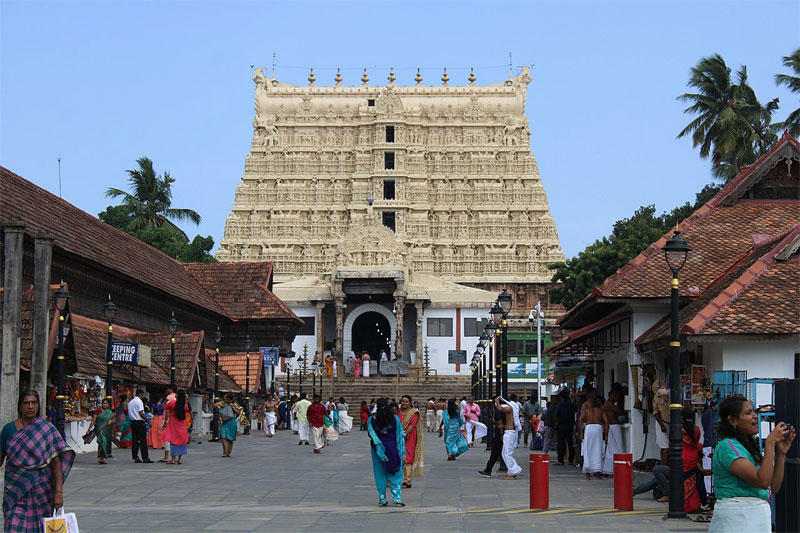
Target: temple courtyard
column 276, row 485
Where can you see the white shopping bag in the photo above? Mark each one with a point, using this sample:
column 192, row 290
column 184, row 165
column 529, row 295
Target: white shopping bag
column 61, row 522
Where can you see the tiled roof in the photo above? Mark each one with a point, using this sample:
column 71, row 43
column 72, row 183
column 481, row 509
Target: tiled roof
column 720, row 236
column 226, row 383
column 241, row 289
column 26, row 333
column 89, row 338
column 98, row 242
column 188, row 347
column 235, row 364
column 759, row 296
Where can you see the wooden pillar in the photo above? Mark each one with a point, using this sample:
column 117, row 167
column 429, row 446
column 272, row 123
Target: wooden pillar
column 321, row 328
column 418, row 347
column 339, row 325
column 12, row 322
column 40, row 359
column 400, row 303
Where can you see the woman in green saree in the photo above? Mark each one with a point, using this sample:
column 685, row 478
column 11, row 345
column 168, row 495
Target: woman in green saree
column 101, row 426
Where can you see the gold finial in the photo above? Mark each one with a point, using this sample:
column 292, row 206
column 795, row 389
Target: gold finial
column 418, row 78
column 445, row 79
column 338, row 78
column 391, row 77
column 472, row 77
column 311, row 78
column 364, row 77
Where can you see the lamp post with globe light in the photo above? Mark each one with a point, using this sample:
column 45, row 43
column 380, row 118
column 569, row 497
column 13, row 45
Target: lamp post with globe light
column 675, row 252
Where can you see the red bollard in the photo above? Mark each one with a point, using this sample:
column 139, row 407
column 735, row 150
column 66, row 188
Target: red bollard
column 623, row 481
column 540, row 481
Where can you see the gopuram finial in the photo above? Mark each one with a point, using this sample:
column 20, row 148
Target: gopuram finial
column 364, row 78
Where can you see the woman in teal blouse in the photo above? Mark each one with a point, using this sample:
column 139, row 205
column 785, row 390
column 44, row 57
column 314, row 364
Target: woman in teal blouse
column 743, row 476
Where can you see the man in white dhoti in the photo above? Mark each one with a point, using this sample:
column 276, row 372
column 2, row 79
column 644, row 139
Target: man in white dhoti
column 300, row 409
column 511, row 413
column 270, row 417
column 365, row 364
column 475, row 430
column 592, row 424
column 430, row 415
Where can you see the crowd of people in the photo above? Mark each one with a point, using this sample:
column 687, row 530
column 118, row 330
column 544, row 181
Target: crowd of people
column 38, row 459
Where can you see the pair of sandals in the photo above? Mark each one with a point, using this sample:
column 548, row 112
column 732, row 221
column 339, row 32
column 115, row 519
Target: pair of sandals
column 396, row 504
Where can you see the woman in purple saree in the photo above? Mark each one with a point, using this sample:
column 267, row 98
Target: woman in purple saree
column 38, row 461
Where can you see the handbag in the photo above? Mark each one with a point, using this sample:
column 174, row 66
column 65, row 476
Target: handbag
column 227, row 414
column 60, row 522
column 89, row 437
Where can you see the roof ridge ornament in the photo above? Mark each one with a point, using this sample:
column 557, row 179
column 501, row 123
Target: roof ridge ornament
column 338, row 78
column 365, row 78
column 418, row 77
column 445, row 78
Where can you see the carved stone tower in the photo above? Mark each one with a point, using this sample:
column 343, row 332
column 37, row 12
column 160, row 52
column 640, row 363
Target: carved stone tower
column 448, row 168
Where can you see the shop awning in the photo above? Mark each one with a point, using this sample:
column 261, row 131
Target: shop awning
column 586, row 343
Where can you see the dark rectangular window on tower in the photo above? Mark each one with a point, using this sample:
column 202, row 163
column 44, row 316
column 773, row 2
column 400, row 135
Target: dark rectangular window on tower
column 388, row 219
column 371, row 102
column 388, row 160
column 388, row 189
column 389, row 134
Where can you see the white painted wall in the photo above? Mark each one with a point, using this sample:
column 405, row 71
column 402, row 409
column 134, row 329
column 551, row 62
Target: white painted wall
column 438, row 346
column 310, row 340
column 762, row 359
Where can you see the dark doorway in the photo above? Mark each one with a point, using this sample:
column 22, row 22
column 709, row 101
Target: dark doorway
column 371, row 334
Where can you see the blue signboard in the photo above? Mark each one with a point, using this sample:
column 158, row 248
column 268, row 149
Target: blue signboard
column 125, row 352
column 269, row 355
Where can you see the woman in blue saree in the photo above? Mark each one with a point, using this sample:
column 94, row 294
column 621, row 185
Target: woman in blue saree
column 388, row 447
column 454, row 441
column 37, row 463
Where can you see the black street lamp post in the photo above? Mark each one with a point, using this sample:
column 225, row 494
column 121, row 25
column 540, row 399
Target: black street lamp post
column 248, row 345
column 61, row 297
column 215, row 420
column 504, row 300
column 172, row 326
column 109, row 311
column 489, row 332
column 675, row 252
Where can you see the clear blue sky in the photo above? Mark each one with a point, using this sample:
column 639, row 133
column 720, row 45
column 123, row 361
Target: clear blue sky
column 103, row 83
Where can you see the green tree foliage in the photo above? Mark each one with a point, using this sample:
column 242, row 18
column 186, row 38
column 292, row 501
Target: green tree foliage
column 629, row 237
column 792, row 82
column 150, row 199
column 732, row 126
column 162, row 238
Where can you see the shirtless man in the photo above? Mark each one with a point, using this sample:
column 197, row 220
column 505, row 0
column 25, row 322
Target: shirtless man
column 441, row 405
column 614, row 443
column 430, row 415
column 511, row 423
column 593, row 427
column 270, row 416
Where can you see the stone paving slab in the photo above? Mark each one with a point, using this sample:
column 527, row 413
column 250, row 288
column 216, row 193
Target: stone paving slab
column 275, row 485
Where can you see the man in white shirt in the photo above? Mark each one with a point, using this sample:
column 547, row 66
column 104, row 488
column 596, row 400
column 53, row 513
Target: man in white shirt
column 138, row 430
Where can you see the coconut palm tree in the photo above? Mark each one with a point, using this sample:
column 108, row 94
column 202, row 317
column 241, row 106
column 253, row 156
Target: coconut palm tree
column 792, row 82
column 150, row 199
column 732, row 126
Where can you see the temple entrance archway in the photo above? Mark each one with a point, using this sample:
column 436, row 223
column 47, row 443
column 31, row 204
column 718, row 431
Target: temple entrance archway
column 367, row 328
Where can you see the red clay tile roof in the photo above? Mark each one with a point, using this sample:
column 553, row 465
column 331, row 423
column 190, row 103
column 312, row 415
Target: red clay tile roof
column 26, row 333
column 188, row 347
column 206, row 367
column 43, row 212
column 719, row 235
column 757, row 296
column 242, row 289
column 235, row 364
column 89, row 340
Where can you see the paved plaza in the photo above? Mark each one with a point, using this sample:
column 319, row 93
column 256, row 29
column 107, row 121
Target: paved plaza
column 276, row 485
